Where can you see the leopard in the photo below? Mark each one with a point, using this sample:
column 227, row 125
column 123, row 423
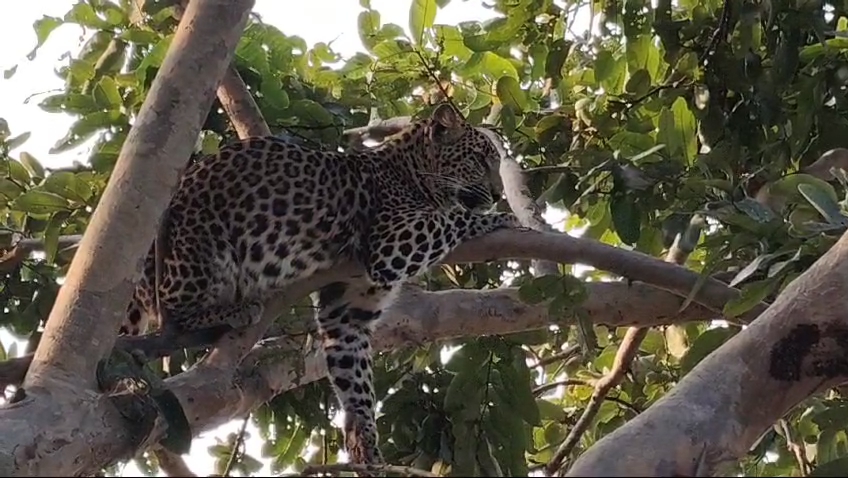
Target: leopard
column 263, row 212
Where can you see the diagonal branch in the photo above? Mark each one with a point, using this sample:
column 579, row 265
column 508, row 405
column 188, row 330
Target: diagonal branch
column 795, row 349
column 87, row 310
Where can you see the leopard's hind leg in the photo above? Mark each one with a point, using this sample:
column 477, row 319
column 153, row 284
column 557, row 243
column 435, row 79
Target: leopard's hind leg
column 346, row 314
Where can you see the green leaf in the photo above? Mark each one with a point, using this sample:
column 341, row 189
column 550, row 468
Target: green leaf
column 10, row 72
column 626, row 218
column 755, row 265
column 391, row 48
column 539, row 55
column 106, row 94
column 464, row 449
column 43, row 28
column 752, row 294
column 154, row 58
column 140, row 37
column 556, row 59
column 422, row 14
column 489, row 64
column 84, row 14
column 677, row 131
column 35, row 201
column 705, row 344
column 641, row 53
column 510, row 93
column 517, row 388
column 451, row 40
column 486, row 459
column 210, row 144
column 639, row 83
column 18, row 140
column 18, row 172
column 273, row 92
column 819, row 199
column 69, row 186
column 368, row 24
column 508, row 120
column 32, row 165
column 51, row 235
column 10, row 189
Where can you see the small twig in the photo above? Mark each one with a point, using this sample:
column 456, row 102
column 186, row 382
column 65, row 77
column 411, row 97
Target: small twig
column 22, row 248
column 564, row 355
column 541, row 389
column 349, row 467
column 436, row 79
column 625, row 404
column 720, row 30
column 795, row 448
column 626, row 352
column 236, row 447
column 630, row 104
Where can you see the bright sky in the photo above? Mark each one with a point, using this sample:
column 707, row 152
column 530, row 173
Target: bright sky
column 314, row 20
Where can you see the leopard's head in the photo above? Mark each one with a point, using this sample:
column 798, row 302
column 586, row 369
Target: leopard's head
column 465, row 163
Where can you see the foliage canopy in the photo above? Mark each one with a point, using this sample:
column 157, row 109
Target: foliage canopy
column 661, row 113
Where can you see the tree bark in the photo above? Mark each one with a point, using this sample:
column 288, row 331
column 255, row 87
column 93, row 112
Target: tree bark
column 423, row 316
column 503, row 245
column 706, row 423
column 37, row 432
column 59, row 386
column 90, row 304
column 243, row 112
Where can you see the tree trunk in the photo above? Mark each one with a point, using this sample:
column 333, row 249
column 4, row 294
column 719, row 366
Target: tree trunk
column 51, row 431
column 795, row 349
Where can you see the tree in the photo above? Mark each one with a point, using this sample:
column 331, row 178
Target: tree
column 702, row 133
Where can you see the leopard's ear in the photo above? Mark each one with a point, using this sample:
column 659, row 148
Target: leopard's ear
column 446, row 115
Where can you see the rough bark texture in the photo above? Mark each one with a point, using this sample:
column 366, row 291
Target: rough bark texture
column 89, row 306
column 239, row 105
column 62, row 427
column 796, row 348
column 615, row 304
column 525, row 209
column 215, row 391
column 212, row 395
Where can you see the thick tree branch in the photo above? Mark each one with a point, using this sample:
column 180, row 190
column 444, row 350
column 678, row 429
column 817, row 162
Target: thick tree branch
column 49, row 431
column 562, row 248
column 240, row 107
column 525, row 209
column 615, row 304
column 211, row 397
column 215, row 391
column 89, row 306
column 504, row 245
column 796, row 348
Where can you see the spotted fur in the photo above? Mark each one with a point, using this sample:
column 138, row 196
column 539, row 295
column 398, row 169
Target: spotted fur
column 262, row 213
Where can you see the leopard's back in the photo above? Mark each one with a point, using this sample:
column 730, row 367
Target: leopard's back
column 253, row 218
